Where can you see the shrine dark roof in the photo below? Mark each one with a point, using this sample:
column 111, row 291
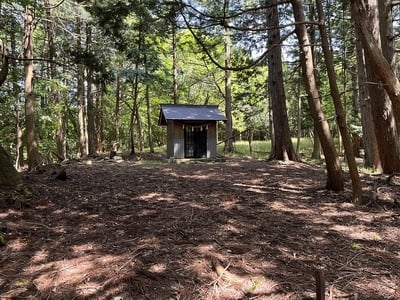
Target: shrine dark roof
column 186, row 112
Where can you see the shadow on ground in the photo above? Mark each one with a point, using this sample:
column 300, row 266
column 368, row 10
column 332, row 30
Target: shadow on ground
column 240, row 229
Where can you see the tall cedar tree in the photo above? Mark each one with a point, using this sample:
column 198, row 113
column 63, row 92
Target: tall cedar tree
column 370, row 144
column 32, row 147
column 380, row 73
column 340, row 114
column 334, row 172
column 282, row 147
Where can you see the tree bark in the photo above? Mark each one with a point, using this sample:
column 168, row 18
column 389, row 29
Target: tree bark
column 116, row 113
column 4, row 64
column 316, row 152
column 19, row 160
column 228, row 94
column 388, row 43
column 361, row 10
column 283, row 147
column 8, row 174
column 365, row 15
column 371, row 151
column 32, row 147
column 61, row 131
column 133, row 114
column 139, row 128
column 175, row 61
column 99, row 116
column 82, row 145
column 340, row 114
column 334, row 171
column 91, row 120
column 148, row 110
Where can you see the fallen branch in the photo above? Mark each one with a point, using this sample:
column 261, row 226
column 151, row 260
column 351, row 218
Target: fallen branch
column 26, row 225
column 351, row 259
column 246, row 284
column 219, row 269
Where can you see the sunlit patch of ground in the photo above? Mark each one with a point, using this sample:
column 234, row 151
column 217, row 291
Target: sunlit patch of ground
column 240, row 229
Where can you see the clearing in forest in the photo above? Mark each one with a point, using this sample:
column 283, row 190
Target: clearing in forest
column 239, row 229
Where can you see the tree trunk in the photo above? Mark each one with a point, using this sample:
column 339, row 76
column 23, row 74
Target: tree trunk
column 8, row 175
column 388, row 43
column 139, row 128
column 334, row 171
column 316, row 153
column 283, row 147
column 61, row 134
column 271, row 124
column 32, row 147
column 149, row 122
column 133, row 113
column 19, row 160
column 99, row 134
column 299, row 113
column 132, row 132
column 367, row 27
column 4, row 64
column 175, row 62
column 116, row 114
column 148, row 108
column 228, row 147
column 81, row 97
column 91, row 120
column 250, row 136
column 370, row 144
column 361, row 15
column 61, row 131
column 340, row 114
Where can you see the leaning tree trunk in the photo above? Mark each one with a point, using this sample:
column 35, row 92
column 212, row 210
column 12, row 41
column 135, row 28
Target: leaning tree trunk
column 335, row 176
column 380, row 82
column 282, row 148
column 388, row 43
column 8, row 174
column 340, row 114
column 361, row 10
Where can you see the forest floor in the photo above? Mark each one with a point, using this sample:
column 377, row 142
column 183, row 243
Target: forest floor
column 237, row 229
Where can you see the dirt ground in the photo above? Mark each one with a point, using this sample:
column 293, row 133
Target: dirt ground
column 238, row 229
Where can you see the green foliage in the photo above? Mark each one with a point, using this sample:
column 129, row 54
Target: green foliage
column 250, row 98
column 356, row 246
column 132, row 41
column 261, row 149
